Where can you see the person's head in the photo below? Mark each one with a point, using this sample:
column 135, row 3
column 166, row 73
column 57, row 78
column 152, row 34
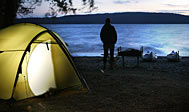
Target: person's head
column 107, row 20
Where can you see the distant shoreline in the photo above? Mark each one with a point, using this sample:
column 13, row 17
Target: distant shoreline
column 117, row 18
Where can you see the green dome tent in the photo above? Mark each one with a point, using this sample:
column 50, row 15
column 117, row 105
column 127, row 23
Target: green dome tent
column 33, row 60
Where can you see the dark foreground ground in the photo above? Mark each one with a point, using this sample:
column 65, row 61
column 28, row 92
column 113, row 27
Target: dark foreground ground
column 159, row 86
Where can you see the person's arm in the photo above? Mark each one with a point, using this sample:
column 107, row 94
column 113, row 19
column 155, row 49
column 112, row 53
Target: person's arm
column 102, row 34
column 115, row 35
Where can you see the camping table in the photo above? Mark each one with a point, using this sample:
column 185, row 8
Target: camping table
column 130, row 52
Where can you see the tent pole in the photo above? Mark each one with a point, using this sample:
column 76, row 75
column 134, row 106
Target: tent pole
column 22, row 59
column 69, row 57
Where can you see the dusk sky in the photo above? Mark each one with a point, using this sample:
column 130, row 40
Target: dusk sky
column 110, row 6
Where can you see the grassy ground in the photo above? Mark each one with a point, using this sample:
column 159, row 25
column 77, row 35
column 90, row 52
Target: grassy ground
column 159, row 86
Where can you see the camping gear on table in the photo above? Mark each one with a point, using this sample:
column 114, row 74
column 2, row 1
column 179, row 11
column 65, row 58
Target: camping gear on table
column 130, row 52
column 33, row 61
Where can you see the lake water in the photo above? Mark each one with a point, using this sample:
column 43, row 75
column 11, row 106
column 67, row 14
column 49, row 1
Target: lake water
column 84, row 39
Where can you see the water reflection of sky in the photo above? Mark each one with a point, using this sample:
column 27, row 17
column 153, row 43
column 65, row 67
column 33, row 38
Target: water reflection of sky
column 84, row 40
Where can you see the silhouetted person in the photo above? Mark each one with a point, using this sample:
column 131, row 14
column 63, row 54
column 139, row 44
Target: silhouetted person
column 108, row 36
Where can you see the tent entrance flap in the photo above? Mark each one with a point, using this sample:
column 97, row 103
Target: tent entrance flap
column 40, row 70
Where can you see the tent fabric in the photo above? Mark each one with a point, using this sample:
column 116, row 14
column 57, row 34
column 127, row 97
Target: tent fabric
column 18, row 36
column 33, row 60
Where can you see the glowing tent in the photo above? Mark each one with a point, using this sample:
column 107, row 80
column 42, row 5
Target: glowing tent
column 33, row 60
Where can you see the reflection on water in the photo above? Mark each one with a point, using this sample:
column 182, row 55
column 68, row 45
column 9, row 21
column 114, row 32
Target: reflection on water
column 84, row 40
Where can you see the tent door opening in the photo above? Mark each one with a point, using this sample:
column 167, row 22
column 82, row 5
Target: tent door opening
column 40, row 69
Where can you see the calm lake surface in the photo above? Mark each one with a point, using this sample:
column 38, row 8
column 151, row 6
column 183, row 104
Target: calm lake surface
column 84, row 39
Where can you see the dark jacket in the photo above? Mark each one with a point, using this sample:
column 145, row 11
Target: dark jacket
column 108, row 34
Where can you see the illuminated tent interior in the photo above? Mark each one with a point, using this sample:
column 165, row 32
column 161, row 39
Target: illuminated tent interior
column 34, row 60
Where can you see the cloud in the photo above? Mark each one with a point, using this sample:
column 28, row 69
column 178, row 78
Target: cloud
column 173, row 5
column 183, row 9
column 174, row 10
column 125, row 1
